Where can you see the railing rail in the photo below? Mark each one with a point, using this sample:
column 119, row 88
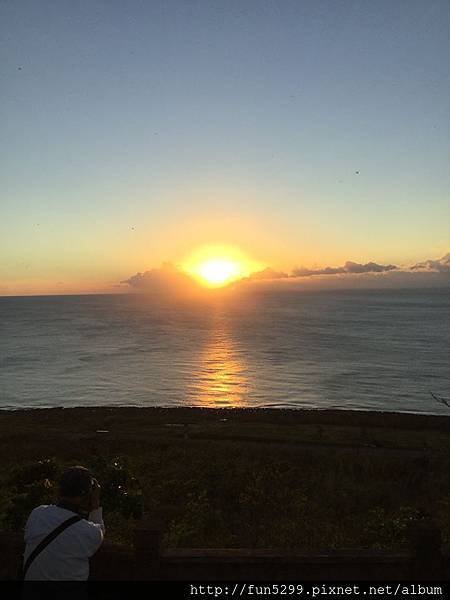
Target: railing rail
column 147, row 560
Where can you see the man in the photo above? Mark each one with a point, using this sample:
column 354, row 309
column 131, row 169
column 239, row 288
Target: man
column 77, row 526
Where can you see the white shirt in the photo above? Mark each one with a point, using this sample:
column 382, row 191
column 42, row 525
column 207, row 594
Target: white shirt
column 66, row 558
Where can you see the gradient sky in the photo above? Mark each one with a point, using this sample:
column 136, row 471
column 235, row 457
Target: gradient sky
column 133, row 132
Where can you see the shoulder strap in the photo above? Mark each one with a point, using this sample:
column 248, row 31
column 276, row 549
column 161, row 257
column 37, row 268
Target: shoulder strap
column 46, row 541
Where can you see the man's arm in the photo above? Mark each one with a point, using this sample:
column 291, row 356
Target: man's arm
column 95, row 510
column 96, row 517
column 95, row 521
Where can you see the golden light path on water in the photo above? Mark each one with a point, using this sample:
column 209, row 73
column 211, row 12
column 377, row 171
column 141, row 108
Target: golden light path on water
column 221, row 379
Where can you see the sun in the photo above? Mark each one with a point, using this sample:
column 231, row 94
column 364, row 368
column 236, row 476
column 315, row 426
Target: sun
column 218, row 266
column 219, row 272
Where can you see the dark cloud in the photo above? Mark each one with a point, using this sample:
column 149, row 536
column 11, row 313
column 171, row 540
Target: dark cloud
column 304, row 272
column 434, row 266
column 370, row 267
column 349, row 268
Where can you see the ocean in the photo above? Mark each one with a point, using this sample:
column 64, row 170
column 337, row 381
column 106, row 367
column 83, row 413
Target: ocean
column 361, row 350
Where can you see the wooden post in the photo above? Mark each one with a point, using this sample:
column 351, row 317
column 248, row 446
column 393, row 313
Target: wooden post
column 147, row 541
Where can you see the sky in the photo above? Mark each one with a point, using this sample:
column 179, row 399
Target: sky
column 304, row 133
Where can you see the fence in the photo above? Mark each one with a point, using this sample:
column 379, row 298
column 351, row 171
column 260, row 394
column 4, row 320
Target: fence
column 148, row 560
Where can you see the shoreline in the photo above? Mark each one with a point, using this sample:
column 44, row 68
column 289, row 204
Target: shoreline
column 321, row 413
column 238, row 411
column 234, row 410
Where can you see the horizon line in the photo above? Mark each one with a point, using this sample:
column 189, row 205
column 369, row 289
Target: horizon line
column 300, row 290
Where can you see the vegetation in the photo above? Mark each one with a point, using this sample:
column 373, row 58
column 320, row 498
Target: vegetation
column 236, row 479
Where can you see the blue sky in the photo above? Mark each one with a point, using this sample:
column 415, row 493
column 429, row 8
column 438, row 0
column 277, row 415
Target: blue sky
column 306, row 133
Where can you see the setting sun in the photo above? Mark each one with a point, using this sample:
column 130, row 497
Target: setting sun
column 217, row 266
column 219, row 272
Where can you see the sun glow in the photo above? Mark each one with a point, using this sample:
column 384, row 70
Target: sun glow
column 218, row 272
column 218, row 266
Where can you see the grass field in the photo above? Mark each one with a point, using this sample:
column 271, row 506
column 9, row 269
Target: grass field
column 237, row 478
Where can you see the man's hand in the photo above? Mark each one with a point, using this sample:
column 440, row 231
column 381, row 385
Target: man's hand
column 95, row 495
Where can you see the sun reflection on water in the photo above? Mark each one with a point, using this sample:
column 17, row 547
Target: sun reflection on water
column 221, row 379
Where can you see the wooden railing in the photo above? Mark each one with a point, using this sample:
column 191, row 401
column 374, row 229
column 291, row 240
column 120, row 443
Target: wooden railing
column 147, row 560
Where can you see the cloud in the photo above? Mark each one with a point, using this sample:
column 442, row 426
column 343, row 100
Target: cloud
column 304, row 272
column 170, row 280
column 267, row 273
column 167, row 279
column 441, row 265
column 349, row 268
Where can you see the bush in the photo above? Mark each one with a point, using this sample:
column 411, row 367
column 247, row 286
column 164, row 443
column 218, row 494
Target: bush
column 35, row 483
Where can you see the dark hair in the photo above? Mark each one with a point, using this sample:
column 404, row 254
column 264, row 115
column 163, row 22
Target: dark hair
column 75, row 481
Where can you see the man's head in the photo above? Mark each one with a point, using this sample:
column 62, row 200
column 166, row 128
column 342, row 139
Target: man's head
column 76, row 486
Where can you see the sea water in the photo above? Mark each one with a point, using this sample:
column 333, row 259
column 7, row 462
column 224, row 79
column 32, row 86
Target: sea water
column 365, row 350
